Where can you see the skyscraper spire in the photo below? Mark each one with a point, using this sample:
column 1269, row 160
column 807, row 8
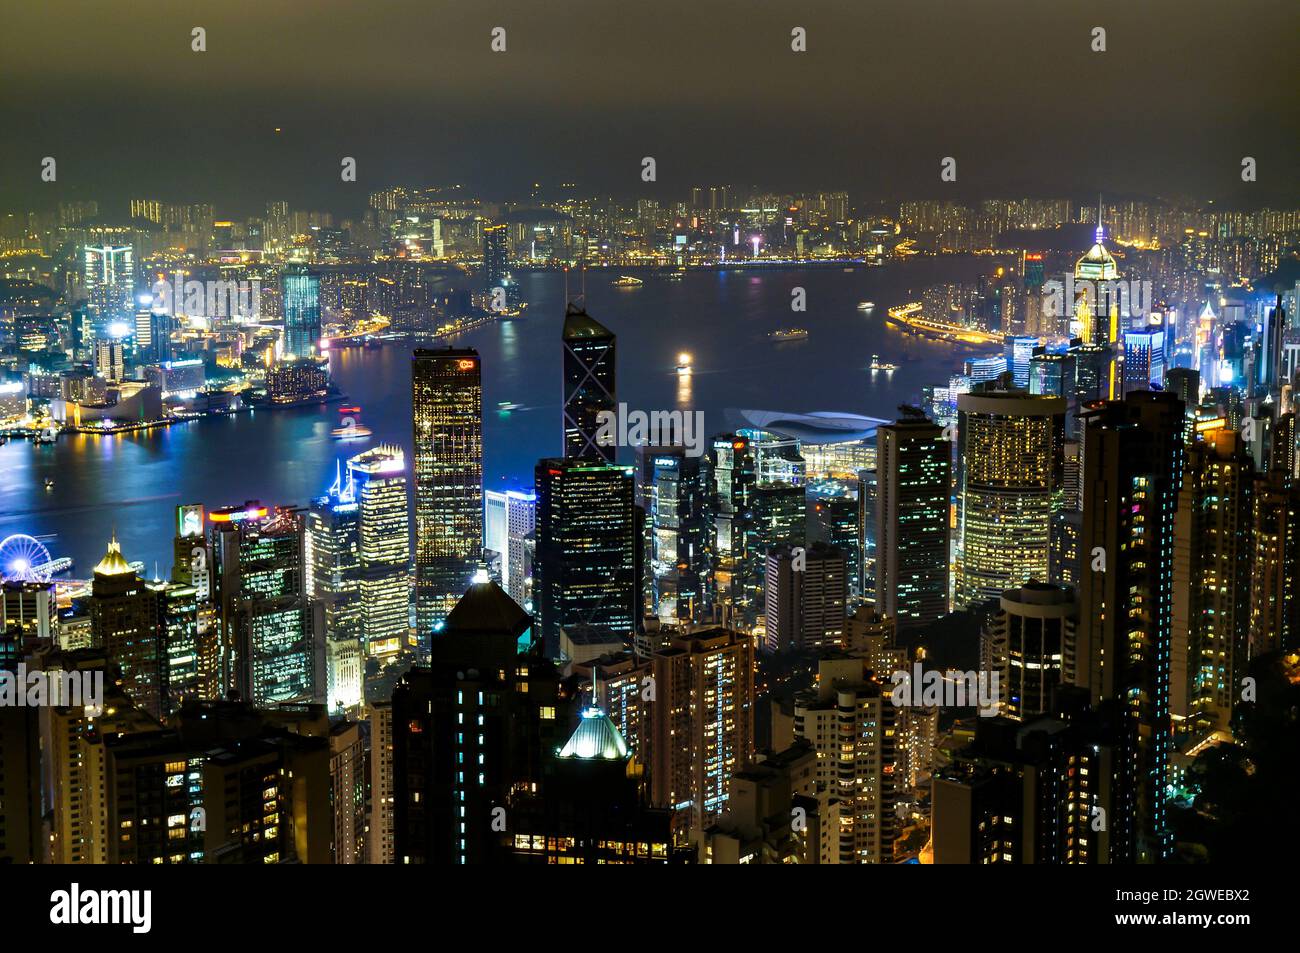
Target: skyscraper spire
column 1101, row 232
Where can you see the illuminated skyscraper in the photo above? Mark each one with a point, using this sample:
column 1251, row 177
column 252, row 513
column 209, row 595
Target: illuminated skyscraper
column 269, row 628
column 850, row 721
column 914, row 466
column 1133, row 467
column 586, row 568
column 1212, row 577
column 300, row 288
column 1275, row 582
column 682, row 533
column 109, row 276
column 702, row 721
column 1009, row 476
column 447, row 406
column 732, row 468
column 589, row 385
column 805, row 597
column 1033, row 638
column 126, row 623
column 378, row 478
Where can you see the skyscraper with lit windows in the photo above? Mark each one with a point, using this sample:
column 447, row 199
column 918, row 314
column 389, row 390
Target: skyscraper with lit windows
column 378, row 478
column 1009, row 477
column 300, row 289
column 447, row 467
column 589, row 385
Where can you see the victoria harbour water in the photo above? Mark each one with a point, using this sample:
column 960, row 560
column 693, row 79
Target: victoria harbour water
column 130, row 484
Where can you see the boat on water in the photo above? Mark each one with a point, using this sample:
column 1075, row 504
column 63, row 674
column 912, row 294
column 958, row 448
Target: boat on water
column 878, row 365
column 627, row 281
column 866, row 305
column 676, row 275
column 788, row 334
column 683, row 363
column 507, row 405
column 49, row 483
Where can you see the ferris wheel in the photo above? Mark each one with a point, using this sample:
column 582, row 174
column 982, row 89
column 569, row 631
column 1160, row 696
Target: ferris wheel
column 24, row 558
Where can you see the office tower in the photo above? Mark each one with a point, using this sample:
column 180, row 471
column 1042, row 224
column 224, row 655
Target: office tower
column 187, row 652
column 470, row 732
column 1094, row 373
column 835, row 521
column 805, row 597
column 1275, row 577
column 447, row 402
column 1096, row 313
column 867, row 494
column 1033, row 640
column 28, row 610
column 913, row 473
column 1055, row 375
column 777, row 457
column 1212, row 576
column 378, row 478
column 191, row 561
column 589, row 385
column 760, row 825
column 682, row 530
column 586, row 570
column 108, row 273
column 593, row 806
column 224, row 783
column 331, row 543
column 732, row 467
column 347, row 792
column 1063, row 561
column 1009, row 474
column 1133, row 463
column 1020, row 353
column 300, row 291
column 1185, row 384
column 702, row 721
column 521, row 522
column 273, row 648
column 1034, row 793
column 496, row 267
column 379, row 836
column 110, row 359
column 126, row 624
column 849, row 719
column 1144, row 358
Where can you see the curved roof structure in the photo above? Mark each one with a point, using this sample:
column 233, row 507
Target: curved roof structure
column 816, row 428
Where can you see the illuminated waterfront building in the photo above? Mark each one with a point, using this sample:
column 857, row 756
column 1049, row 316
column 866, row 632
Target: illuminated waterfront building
column 586, row 569
column 589, row 385
column 850, row 721
column 913, row 475
column 702, row 721
column 300, row 292
column 1009, row 475
column 378, row 479
column 447, row 465
column 297, row 381
column 1133, row 467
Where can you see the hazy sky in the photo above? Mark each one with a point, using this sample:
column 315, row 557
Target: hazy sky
column 586, row 88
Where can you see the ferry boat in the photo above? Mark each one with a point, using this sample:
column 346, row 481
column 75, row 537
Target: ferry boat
column 788, row 334
column 626, row 281
column 878, row 365
column 49, row 483
column 683, row 363
column 866, row 305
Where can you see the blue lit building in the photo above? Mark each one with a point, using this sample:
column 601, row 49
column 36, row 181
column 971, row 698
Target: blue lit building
column 300, row 287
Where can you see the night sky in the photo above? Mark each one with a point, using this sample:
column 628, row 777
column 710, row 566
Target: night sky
column 586, row 88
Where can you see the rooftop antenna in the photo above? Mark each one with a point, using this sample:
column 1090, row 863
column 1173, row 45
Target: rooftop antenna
column 1100, row 231
column 566, row 287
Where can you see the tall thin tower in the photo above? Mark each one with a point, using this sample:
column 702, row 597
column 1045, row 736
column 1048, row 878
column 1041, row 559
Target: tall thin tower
column 588, row 385
column 447, row 412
